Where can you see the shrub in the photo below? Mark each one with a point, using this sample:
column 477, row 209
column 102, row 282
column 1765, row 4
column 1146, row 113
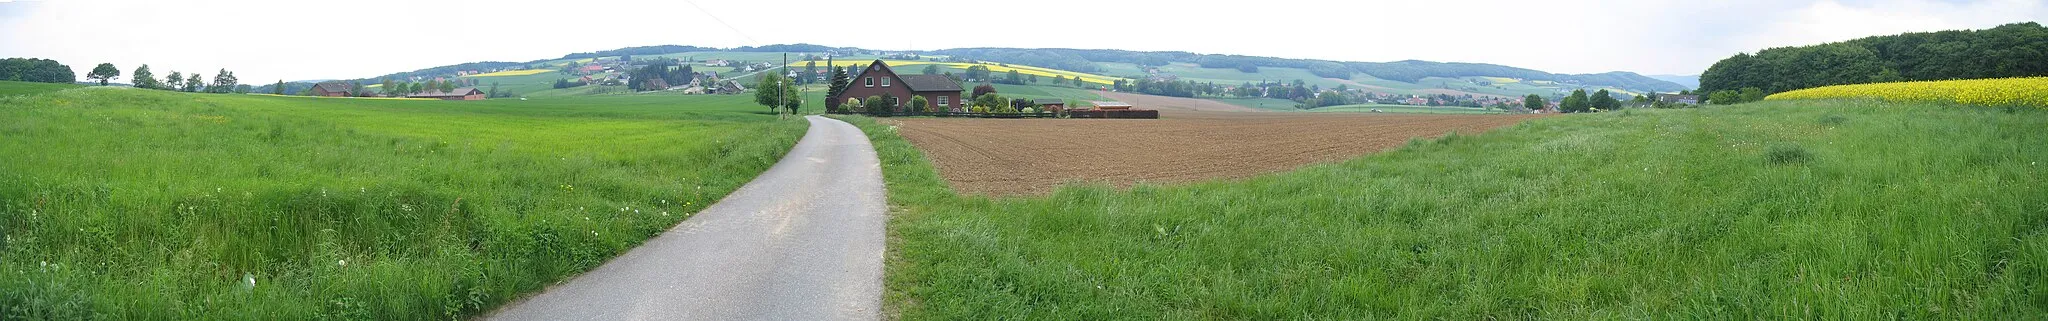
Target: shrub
column 1029, row 110
column 919, row 104
column 874, row 104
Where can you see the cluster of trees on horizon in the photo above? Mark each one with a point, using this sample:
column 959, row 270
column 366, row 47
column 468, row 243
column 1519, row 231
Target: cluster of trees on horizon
column 2012, row 50
column 36, row 70
column 224, row 82
column 659, row 74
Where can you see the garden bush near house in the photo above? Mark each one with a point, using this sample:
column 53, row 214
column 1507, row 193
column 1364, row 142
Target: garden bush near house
column 919, row 104
column 875, row 105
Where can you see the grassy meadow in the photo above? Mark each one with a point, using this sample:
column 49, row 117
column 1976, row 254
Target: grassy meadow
column 14, row 88
column 1777, row 210
column 1406, row 109
column 137, row 204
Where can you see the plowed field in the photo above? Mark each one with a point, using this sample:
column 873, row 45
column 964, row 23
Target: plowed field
column 1033, row 156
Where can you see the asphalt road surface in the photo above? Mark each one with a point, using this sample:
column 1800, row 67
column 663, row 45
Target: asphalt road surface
column 803, row 241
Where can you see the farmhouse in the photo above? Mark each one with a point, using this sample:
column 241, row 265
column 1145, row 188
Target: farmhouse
column 878, row 80
column 334, row 89
column 464, row 93
column 1679, row 99
column 1051, row 104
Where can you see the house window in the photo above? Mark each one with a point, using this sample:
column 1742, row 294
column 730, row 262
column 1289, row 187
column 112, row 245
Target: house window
column 871, row 81
column 885, row 81
column 942, row 101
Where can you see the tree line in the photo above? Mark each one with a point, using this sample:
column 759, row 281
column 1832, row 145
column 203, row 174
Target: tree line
column 2012, row 50
column 223, row 82
column 36, row 70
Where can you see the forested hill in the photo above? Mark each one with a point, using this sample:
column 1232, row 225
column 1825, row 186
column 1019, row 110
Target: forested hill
column 1084, row 60
column 2013, row 50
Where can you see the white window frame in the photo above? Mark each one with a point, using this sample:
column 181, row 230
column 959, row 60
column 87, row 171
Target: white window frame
column 871, row 82
column 943, row 101
column 885, row 82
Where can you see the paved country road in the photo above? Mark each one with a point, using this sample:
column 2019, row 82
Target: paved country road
column 803, row 241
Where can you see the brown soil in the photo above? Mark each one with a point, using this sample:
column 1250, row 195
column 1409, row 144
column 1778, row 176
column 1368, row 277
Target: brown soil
column 1033, row 156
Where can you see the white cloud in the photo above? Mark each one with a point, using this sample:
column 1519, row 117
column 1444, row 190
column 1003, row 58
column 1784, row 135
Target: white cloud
column 268, row 40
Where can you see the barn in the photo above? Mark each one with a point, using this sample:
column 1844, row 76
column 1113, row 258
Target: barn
column 878, row 80
column 334, row 89
column 464, row 93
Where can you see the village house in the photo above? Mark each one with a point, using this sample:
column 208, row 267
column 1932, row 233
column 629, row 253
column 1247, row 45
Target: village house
column 1679, row 99
column 878, row 80
column 464, row 93
column 334, row 89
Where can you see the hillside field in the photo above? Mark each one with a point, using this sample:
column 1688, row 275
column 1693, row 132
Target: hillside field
column 1777, row 210
column 2008, row 92
column 13, row 88
column 1406, row 109
column 139, row 204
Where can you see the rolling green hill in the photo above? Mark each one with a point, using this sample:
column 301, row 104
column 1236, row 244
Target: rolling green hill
column 14, row 88
column 1403, row 78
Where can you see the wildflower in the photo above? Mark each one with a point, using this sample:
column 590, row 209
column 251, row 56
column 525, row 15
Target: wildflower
column 341, row 263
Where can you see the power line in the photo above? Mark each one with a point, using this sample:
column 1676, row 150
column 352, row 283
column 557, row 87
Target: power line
column 750, row 39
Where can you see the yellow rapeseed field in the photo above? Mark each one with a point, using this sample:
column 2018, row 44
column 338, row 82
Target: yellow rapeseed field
column 512, row 73
column 2032, row 92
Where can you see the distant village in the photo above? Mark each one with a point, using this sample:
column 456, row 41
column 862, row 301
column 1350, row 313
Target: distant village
column 624, row 73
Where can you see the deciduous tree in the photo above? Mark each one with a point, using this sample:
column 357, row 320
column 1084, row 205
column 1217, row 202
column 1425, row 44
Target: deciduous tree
column 1578, row 102
column 1534, row 102
column 193, row 83
column 145, row 79
column 223, row 82
column 173, row 82
column 103, row 73
column 982, row 90
column 1604, row 101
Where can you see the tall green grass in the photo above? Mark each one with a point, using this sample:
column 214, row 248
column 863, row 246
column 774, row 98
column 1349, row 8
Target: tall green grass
column 1776, row 210
column 136, row 204
column 15, row 88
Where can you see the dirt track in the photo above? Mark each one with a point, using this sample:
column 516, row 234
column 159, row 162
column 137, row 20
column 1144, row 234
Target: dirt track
column 1032, row 156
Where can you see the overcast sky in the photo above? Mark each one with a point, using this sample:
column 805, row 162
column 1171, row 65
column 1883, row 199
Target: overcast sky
column 264, row 40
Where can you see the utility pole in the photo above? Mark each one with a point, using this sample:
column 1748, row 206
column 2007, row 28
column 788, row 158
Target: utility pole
column 781, row 97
